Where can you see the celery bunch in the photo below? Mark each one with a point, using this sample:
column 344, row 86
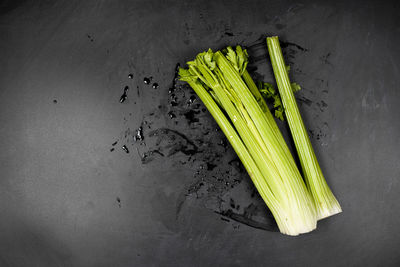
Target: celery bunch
column 325, row 202
column 222, row 82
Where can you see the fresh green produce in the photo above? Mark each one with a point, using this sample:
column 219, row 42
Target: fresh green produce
column 222, row 82
column 325, row 202
column 268, row 91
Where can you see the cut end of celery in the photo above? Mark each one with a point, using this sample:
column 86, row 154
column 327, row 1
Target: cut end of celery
column 295, row 229
column 325, row 202
column 323, row 213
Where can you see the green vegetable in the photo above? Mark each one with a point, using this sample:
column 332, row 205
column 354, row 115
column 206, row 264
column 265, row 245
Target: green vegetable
column 268, row 91
column 221, row 81
column 295, row 87
column 325, row 202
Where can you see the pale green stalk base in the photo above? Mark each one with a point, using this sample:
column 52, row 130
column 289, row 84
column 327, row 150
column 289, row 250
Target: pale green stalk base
column 255, row 174
column 325, row 202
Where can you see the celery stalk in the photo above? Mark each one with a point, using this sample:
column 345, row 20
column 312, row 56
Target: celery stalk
column 255, row 174
column 282, row 160
column 214, row 78
column 325, row 202
column 268, row 115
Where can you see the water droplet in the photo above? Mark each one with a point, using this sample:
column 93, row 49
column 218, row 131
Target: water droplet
column 146, row 80
column 130, row 76
column 139, row 135
column 125, row 149
column 171, row 115
column 192, row 99
column 155, row 85
column 90, row 38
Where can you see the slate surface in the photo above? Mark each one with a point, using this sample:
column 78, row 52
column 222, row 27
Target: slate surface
column 67, row 200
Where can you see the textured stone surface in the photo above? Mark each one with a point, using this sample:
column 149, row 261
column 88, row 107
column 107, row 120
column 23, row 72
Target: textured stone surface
column 67, row 200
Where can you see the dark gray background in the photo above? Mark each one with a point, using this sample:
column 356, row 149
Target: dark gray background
column 59, row 181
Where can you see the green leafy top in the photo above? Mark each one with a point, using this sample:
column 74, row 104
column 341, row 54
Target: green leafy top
column 186, row 75
column 295, row 87
column 238, row 59
column 204, row 69
column 269, row 92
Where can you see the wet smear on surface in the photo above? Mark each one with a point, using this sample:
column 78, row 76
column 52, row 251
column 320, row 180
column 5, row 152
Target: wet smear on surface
column 290, row 52
column 150, row 155
column 55, row 101
column 247, row 219
column 210, row 166
column 202, row 147
column 258, row 52
column 225, row 219
column 124, row 96
column 303, row 100
column 175, row 79
column 232, row 203
column 191, row 116
column 289, row 44
column 171, row 142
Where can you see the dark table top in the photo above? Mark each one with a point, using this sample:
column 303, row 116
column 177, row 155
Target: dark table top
column 69, row 197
